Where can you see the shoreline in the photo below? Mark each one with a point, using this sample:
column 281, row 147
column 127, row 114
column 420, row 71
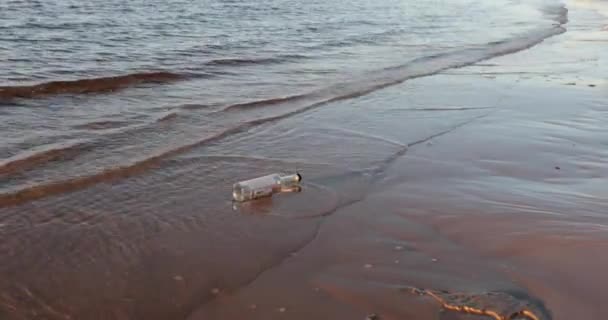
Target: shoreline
column 511, row 203
column 480, row 187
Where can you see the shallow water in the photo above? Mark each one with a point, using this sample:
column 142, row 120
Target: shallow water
column 125, row 124
column 90, row 88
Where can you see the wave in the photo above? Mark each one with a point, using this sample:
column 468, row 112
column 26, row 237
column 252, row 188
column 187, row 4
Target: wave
column 40, row 155
column 86, row 86
column 358, row 39
column 254, row 61
column 421, row 67
column 266, row 102
column 167, row 117
column 390, row 76
column 241, row 61
column 69, row 185
column 194, row 106
column 448, row 109
column 59, row 187
column 557, row 13
column 102, row 125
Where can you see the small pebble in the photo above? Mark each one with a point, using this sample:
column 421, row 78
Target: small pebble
column 282, row 309
column 557, row 168
column 398, row 248
column 571, row 83
column 368, row 266
column 396, row 261
column 592, row 85
column 178, row 278
column 434, row 260
column 372, row 316
column 253, row 306
column 215, row 291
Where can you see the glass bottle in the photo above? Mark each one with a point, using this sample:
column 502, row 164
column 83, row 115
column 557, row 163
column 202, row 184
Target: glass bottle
column 265, row 186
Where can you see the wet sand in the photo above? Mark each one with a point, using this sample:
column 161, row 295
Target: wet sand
column 507, row 210
column 481, row 190
column 513, row 203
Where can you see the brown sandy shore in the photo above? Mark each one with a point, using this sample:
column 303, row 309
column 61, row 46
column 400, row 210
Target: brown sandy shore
column 479, row 193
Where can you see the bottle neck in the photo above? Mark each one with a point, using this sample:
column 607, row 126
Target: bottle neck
column 291, row 179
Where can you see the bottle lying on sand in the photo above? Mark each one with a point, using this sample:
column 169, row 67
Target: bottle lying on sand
column 265, row 186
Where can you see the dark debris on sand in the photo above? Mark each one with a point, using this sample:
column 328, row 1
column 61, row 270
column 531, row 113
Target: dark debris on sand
column 497, row 305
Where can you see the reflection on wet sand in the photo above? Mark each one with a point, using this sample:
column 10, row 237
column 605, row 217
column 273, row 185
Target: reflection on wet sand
column 484, row 201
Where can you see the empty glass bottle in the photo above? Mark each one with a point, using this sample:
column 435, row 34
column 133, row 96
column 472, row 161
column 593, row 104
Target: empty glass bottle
column 265, row 186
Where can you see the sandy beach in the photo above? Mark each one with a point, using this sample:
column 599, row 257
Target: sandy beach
column 475, row 193
column 509, row 199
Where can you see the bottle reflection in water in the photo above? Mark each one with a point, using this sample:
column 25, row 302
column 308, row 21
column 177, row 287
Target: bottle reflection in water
column 265, row 186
